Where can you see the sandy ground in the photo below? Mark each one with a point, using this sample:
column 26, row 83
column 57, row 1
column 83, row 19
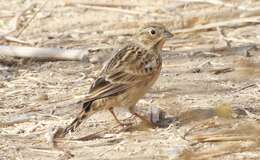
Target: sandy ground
column 208, row 91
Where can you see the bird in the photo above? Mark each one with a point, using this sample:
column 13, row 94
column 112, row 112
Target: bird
column 126, row 76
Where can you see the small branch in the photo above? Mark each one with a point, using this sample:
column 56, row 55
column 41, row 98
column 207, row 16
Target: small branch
column 113, row 9
column 221, row 70
column 5, row 38
column 221, row 138
column 21, row 119
column 234, row 50
column 218, row 2
column 215, row 2
column 226, row 150
column 43, row 53
column 224, row 37
column 113, row 5
column 229, row 23
column 30, row 20
column 251, row 115
column 246, row 87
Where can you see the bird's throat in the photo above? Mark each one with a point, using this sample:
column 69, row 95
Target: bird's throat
column 160, row 44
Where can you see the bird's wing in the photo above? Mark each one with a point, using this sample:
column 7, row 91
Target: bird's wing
column 125, row 69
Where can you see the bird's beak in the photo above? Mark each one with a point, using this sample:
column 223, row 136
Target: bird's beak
column 167, row 34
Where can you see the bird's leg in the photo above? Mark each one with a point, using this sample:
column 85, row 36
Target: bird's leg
column 114, row 115
column 111, row 110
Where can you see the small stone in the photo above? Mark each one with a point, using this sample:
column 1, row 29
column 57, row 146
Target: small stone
column 94, row 59
column 42, row 97
column 2, row 85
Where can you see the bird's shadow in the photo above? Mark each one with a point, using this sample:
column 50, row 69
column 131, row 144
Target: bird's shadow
column 197, row 114
column 200, row 114
column 181, row 119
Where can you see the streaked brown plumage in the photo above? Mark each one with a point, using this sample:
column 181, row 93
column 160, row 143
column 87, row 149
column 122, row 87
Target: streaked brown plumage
column 127, row 76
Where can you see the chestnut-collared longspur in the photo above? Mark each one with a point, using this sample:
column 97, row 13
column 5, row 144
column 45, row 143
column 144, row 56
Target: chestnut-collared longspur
column 127, row 76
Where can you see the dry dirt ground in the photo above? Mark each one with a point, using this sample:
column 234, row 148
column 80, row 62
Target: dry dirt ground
column 209, row 88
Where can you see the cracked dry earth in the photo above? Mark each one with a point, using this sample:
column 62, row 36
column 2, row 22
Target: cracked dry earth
column 210, row 99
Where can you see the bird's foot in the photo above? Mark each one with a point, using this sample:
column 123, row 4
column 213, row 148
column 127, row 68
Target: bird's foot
column 126, row 124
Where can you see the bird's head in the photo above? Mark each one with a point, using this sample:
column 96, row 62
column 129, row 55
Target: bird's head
column 153, row 35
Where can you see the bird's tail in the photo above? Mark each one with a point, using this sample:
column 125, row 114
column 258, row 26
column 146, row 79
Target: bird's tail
column 85, row 113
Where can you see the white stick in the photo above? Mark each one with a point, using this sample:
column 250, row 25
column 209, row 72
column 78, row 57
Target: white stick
column 43, row 53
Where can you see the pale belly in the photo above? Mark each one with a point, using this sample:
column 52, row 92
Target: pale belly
column 130, row 98
column 127, row 99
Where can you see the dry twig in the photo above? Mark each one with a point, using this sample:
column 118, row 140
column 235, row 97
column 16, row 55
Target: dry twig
column 22, row 119
column 6, row 38
column 113, row 9
column 246, row 87
column 229, row 23
column 31, row 19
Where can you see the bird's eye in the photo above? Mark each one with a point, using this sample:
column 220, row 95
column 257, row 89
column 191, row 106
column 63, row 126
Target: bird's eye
column 152, row 32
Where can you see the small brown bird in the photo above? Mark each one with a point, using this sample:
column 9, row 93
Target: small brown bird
column 127, row 76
